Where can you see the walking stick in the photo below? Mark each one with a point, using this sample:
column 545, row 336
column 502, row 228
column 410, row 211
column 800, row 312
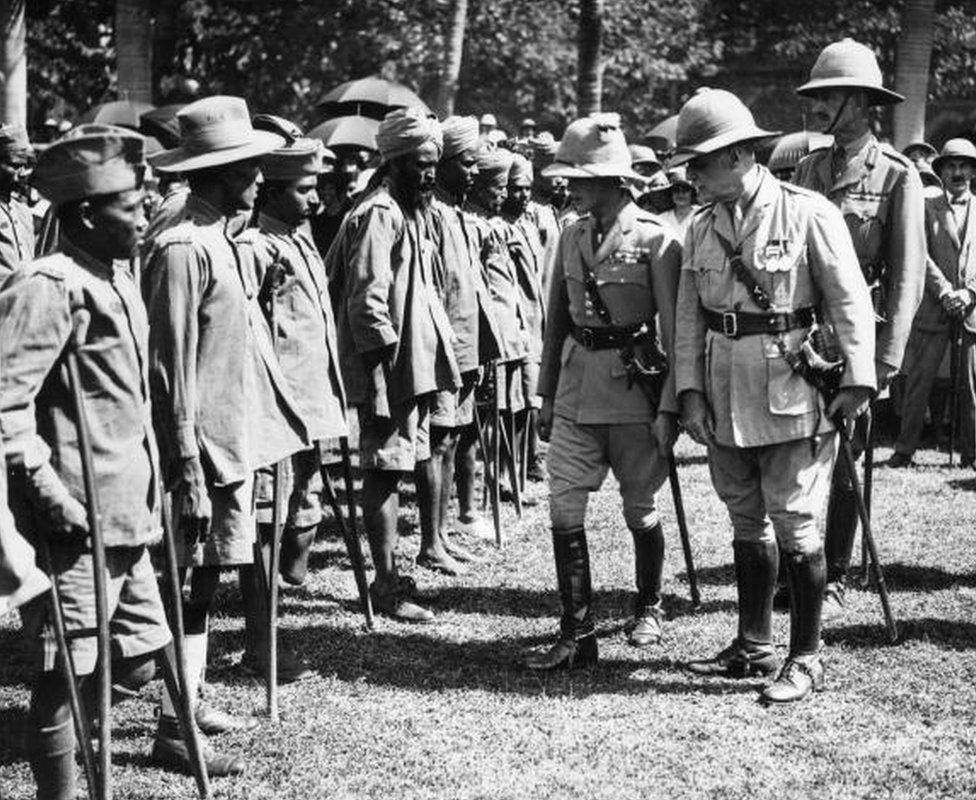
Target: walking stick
column 490, row 478
column 277, row 527
column 67, row 664
column 679, row 513
column 104, row 693
column 350, row 535
column 863, row 512
column 955, row 368
column 865, row 578
column 172, row 660
column 496, row 457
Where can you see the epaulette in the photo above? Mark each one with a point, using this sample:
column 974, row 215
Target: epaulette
column 181, row 233
column 894, row 155
column 802, row 191
column 55, row 266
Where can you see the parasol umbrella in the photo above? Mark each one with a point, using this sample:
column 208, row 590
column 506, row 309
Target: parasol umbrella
column 369, row 97
column 162, row 123
column 350, row 131
column 117, row 112
column 662, row 135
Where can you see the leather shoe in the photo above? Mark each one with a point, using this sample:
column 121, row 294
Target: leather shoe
column 800, row 676
column 899, row 460
column 834, row 606
column 212, row 721
column 737, row 662
column 170, row 751
column 397, row 605
column 291, row 667
column 564, row 654
column 646, row 630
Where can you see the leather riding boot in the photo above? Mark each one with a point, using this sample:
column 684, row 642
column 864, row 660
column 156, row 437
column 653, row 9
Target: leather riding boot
column 803, row 672
column 648, row 566
column 577, row 641
column 296, row 544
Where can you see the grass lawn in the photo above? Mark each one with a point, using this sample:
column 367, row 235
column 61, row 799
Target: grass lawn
column 444, row 711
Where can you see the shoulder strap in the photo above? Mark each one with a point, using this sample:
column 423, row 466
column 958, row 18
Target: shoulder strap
column 593, row 292
column 745, row 276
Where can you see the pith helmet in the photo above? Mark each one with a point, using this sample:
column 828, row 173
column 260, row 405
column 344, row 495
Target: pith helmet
column 592, row 147
column 711, row 120
column 924, row 147
column 849, row 65
column 955, row 148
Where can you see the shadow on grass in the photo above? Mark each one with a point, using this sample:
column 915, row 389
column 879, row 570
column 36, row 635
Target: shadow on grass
column 947, row 634
column 966, row 484
column 910, row 578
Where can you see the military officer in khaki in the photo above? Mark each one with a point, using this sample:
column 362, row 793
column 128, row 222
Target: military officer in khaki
column 879, row 193
column 771, row 441
column 594, row 420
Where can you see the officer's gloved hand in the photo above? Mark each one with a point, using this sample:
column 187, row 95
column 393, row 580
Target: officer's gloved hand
column 696, row 417
column 850, row 403
column 544, row 421
column 191, row 503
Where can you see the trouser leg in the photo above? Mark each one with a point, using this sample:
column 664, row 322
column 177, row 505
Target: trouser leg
column 967, row 400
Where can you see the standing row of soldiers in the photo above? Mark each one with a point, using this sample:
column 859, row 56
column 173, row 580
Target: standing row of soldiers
column 244, row 348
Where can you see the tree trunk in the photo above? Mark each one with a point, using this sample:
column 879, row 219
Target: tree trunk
column 165, row 35
column 589, row 79
column 13, row 63
column 912, row 60
column 453, row 50
column 133, row 50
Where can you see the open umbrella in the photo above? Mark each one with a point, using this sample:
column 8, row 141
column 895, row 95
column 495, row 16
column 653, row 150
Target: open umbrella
column 117, row 112
column 162, row 123
column 370, row 97
column 662, row 135
column 347, row 132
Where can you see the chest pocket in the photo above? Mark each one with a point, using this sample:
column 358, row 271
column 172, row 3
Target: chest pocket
column 864, row 213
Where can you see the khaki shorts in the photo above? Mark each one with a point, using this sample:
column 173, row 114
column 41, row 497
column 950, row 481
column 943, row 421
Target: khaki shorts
column 137, row 621
column 530, row 384
column 303, row 491
column 579, row 458
column 455, row 409
column 395, row 443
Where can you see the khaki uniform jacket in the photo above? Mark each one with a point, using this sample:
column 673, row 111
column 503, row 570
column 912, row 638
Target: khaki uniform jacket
column 384, row 260
column 294, row 294
column 494, row 238
column 39, row 305
column 636, row 268
column 547, row 225
column 462, row 288
column 951, row 263
column 880, row 195
column 218, row 391
column 528, row 255
column 796, row 245
column 16, row 237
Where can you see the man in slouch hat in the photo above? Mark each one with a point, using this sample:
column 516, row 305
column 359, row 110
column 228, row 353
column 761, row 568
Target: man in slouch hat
column 395, row 341
column 222, row 407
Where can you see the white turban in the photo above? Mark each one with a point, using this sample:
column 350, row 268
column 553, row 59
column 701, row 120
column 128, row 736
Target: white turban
column 460, row 134
column 406, row 130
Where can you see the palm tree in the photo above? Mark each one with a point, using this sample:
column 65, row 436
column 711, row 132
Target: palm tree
column 453, row 50
column 133, row 49
column 589, row 78
column 13, row 62
column 912, row 59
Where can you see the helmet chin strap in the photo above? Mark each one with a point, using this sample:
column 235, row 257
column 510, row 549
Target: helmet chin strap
column 840, row 110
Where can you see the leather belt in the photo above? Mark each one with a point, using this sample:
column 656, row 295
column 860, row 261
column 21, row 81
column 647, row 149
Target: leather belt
column 734, row 324
column 605, row 338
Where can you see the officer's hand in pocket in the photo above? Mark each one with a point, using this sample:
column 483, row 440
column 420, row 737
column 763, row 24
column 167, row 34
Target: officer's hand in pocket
column 696, row 417
column 665, row 430
column 193, row 509
column 544, row 423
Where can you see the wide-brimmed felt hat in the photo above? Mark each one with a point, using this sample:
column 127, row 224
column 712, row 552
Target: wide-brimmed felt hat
column 954, row 148
column 593, row 147
column 849, row 65
column 298, row 159
column 215, row 131
column 711, row 120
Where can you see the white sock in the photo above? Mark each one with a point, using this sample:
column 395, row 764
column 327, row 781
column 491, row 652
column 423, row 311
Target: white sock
column 195, row 651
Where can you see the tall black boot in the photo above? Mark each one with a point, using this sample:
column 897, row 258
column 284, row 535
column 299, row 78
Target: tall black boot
column 648, row 566
column 839, row 540
column 803, row 672
column 751, row 653
column 577, row 641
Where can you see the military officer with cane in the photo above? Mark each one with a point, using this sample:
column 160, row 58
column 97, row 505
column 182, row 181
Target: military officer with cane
column 80, row 298
column 615, row 275
column 764, row 264
column 880, row 196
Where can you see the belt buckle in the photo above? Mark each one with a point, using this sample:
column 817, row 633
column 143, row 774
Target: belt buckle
column 588, row 338
column 730, row 325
